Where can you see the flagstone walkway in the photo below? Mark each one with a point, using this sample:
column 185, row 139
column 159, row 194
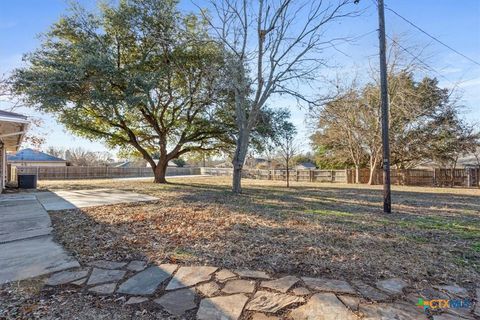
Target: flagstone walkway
column 210, row 293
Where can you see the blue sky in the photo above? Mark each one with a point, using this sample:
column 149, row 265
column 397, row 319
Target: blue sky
column 456, row 23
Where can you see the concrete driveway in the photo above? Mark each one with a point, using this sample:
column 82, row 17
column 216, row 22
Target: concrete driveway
column 71, row 199
column 27, row 248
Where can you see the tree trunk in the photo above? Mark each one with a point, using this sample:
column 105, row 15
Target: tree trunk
column 373, row 166
column 239, row 160
column 160, row 171
column 288, row 176
column 357, row 174
column 237, row 177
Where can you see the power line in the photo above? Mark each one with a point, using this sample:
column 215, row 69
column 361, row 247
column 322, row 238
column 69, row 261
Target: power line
column 415, row 57
column 431, row 36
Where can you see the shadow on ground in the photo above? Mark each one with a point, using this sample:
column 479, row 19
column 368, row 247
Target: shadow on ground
column 337, row 232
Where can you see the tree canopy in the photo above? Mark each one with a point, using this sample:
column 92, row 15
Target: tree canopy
column 140, row 76
column 425, row 125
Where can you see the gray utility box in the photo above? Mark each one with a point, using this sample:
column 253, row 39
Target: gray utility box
column 27, row 181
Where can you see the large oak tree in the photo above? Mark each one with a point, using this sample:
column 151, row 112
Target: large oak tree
column 138, row 75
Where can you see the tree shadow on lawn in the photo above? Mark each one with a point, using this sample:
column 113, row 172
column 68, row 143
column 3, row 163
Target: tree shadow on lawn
column 305, row 231
column 341, row 199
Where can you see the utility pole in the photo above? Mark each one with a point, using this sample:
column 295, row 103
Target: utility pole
column 387, row 200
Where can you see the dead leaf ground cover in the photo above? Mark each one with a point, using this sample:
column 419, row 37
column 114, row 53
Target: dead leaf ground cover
column 311, row 229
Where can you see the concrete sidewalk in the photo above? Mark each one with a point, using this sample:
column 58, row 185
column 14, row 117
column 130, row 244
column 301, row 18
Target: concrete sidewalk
column 71, row 199
column 27, row 248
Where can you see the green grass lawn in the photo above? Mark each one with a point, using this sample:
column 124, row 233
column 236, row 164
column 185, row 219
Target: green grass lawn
column 309, row 229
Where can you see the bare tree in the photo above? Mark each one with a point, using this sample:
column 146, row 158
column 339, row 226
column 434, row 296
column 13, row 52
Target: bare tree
column 286, row 146
column 14, row 103
column 80, row 157
column 476, row 154
column 57, row 152
column 271, row 48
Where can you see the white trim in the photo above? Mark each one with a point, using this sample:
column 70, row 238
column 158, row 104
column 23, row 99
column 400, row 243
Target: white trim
column 12, row 134
column 3, row 169
column 14, row 119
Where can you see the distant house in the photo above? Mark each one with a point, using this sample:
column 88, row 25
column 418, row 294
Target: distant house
column 225, row 164
column 34, row 158
column 129, row 164
column 305, row 166
column 270, row 165
column 170, row 163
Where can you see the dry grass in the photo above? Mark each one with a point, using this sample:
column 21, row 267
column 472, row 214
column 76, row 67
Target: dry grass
column 310, row 229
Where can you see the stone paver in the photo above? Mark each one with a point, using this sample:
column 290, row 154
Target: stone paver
column 222, row 308
column 392, row 286
column 208, row 289
column 282, row 284
column 445, row 316
column 104, row 264
column 350, row 301
column 80, row 282
column 262, row 316
column 178, row 302
column 476, row 311
column 190, row 276
column 301, row 291
column 453, row 289
column 330, row 285
column 270, row 302
column 461, row 313
column 389, row 311
column 107, row 288
column 322, row 306
column 137, row 265
column 136, row 300
column 65, row 277
column 239, row 286
column 430, row 294
column 147, row 281
column 104, row 275
column 224, row 275
column 370, row 292
column 252, row 274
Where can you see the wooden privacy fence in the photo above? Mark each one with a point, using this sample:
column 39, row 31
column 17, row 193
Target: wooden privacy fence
column 439, row 177
column 469, row 177
column 412, row 177
column 65, row 173
column 281, row 175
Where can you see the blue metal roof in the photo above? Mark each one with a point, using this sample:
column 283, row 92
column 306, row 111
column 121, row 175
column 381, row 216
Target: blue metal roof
column 32, row 155
column 307, row 165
